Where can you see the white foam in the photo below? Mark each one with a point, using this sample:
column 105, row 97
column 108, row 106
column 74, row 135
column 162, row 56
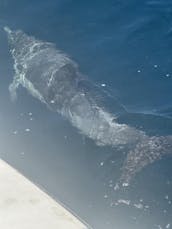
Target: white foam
column 168, row 225
column 122, row 201
column 139, row 206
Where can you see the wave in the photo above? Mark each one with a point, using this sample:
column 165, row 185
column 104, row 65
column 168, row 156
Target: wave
column 54, row 78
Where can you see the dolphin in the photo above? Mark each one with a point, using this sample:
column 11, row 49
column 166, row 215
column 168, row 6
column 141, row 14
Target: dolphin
column 54, row 78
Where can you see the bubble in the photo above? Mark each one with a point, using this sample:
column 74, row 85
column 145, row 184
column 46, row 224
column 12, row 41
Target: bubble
column 103, row 85
column 101, row 163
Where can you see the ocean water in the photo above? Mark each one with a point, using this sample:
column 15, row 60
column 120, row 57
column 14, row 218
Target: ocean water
column 123, row 49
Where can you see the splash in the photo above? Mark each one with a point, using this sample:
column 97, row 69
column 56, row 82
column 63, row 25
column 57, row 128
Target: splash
column 54, row 78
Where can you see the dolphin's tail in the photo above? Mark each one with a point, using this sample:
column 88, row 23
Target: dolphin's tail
column 146, row 152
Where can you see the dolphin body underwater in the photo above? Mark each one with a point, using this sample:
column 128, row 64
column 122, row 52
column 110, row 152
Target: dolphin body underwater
column 54, row 78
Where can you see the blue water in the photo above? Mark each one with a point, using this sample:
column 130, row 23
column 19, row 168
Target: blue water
column 128, row 47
